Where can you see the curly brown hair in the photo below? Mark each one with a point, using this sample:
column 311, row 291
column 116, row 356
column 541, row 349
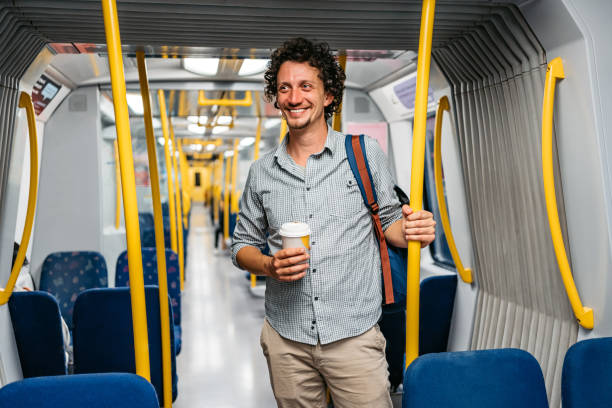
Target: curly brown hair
column 318, row 55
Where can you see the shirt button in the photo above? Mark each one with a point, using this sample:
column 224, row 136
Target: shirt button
column 310, row 216
column 311, row 327
column 314, row 322
column 316, row 298
column 314, row 270
column 307, row 188
column 313, row 243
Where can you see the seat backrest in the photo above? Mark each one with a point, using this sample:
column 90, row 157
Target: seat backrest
column 145, row 219
column 118, row 390
column 437, row 299
column 587, row 374
column 149, row 267
column 103, row 340
column 66, row 274
column 38, row 333
column 502, row 378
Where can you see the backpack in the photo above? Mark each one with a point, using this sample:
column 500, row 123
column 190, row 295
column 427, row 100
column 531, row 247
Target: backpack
column 393, row 260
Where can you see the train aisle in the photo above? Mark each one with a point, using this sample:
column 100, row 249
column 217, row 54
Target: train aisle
column 221, row 364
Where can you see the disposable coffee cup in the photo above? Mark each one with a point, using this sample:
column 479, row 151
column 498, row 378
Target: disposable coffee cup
column 295, row 235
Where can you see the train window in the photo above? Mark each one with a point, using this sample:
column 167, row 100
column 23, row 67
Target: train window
column 439, row 248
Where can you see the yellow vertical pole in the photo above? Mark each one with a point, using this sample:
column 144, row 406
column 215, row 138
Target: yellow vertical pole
column 179, row 210
column 160, row 247
column 337, row 122
column 217, row 188
column 416, row 177
column 255, row 157
column 171, row 209
column 226, row 194
column 234, row 182
column 128, row 184
column 283, row 130
column 117, row 187
column 185, row 185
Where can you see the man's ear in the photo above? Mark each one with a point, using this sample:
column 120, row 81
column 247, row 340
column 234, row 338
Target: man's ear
column 329, row 98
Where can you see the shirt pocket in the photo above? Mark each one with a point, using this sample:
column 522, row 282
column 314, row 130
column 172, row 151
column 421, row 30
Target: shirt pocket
column 278, row 207
column 346, row 201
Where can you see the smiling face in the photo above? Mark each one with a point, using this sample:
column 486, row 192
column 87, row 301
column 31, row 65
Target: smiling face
column 301, row 95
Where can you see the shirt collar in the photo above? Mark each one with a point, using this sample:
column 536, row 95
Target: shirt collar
column 333, row 142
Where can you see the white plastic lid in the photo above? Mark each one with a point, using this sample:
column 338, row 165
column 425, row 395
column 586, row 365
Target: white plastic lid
column 294, row 229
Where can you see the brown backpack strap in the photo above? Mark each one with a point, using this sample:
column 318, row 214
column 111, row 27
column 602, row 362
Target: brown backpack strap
column 373, row 205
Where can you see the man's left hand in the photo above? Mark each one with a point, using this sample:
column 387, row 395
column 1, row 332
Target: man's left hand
column 418, row 226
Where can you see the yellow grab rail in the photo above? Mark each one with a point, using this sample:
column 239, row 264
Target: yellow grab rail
column 162, row 277
column 234, row 182
column 128, row 185
column 171, row 207
column 416, row 178
column 25, row 101
column 255, row 157
column 185, row 185
column 283, row 130
column 583, row 314
column 246, row 101
column 226, row 197
column 117, row 187
column 337, row 121
column 465, row 273
column 179, row 209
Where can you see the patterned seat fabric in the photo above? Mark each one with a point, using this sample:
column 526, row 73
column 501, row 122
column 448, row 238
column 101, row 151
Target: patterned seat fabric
column 104, row 338
column 149, row 267
column 66, row 274
column 145, row 219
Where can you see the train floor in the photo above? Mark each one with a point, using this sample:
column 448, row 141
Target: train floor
column 221, row 364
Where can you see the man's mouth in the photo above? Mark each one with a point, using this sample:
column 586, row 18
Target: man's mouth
column 296, row 111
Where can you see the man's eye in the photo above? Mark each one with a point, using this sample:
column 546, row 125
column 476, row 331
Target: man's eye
column 307, row 86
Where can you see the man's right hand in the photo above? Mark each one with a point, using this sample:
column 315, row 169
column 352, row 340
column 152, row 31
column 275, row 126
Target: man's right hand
column 285, row 265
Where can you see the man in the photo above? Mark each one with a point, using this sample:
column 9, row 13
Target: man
column 321, row 315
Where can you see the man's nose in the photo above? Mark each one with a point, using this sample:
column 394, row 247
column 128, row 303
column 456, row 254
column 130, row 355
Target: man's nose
column 295, row 97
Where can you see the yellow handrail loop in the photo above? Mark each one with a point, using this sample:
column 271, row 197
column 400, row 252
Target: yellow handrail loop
column 246, row 101
column 25, row 101
column 583, row 314
column 160, row 247
column 416, row 178
column 465, row 273
column 128, row 185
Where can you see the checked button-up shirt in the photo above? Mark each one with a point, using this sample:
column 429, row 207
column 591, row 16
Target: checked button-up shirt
column 341, row 294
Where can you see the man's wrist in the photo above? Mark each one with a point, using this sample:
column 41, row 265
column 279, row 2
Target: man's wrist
column 266, row 265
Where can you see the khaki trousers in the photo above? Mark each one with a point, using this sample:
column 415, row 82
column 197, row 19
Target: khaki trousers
column 354, row 369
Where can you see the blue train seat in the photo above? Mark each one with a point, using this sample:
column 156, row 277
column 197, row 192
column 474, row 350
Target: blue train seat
column 503, row 378
column 145, row 219
column 116, row 390
column 103, row 340
column 587, row 374
column 436, row 301
column 437, row 297
column 233, row 218
column 38, row 333
column 66, row 274
column 149, row 266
